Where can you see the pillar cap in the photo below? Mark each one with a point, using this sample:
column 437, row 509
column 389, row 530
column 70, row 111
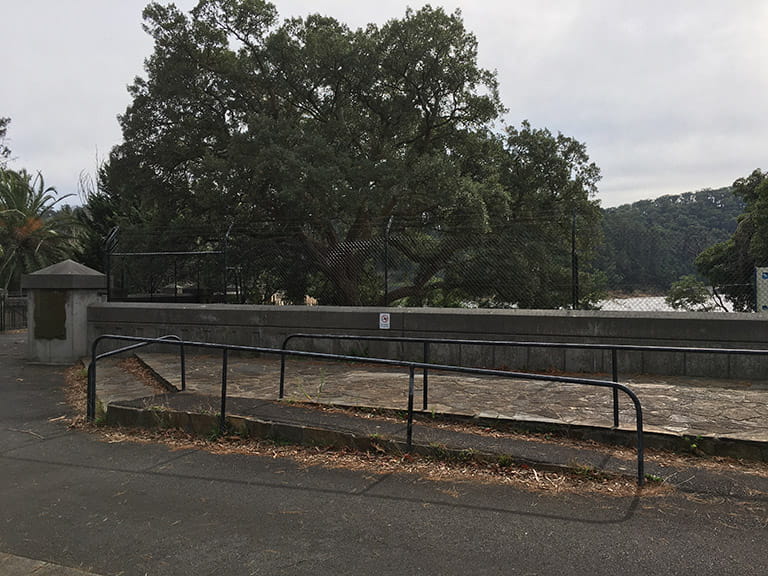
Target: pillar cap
column 66, row 275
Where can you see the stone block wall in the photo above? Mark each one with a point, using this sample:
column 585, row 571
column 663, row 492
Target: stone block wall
column 266, row 326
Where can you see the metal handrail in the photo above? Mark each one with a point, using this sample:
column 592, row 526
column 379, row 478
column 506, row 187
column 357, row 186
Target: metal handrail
column 426, row 341
column 411, row 366
column 91, row 379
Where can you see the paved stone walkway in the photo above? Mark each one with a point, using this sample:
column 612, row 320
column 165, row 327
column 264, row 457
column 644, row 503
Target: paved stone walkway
column 691, row 406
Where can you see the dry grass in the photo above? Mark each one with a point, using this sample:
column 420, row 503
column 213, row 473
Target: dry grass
column 665, row 457
column 381, row 463
column 375, row 462
column 521, row 476
column 136, row 367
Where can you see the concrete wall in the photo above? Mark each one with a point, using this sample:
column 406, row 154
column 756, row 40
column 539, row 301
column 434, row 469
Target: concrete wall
column 266, row 326
column 74, row 342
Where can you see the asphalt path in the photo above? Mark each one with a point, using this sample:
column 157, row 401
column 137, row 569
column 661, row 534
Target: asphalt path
column 71, row 500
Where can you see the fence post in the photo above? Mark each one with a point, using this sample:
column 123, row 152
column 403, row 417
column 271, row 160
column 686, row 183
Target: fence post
column 425, row 388
column 223, row 416
column 574, row 265
column 615, row 373
column 386, row 261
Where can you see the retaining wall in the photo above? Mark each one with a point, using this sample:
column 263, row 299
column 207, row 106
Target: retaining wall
column 266, row 326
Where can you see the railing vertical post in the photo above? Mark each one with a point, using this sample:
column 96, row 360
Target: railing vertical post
column 281, row 391
column 409, row 433
column 615, row 370
column 183, row 359
column 425, row 388
column 640, row 446
column 640, row 450
column 90, row 408
column 223, row 416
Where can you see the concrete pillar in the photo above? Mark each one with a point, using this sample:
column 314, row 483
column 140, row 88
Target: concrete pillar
column 57, row 322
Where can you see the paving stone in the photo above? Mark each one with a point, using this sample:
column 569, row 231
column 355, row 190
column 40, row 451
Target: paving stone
column 689, row 406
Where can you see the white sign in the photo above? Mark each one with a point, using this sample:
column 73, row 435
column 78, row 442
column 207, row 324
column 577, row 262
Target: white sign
column 761, row 285
column 384, row 321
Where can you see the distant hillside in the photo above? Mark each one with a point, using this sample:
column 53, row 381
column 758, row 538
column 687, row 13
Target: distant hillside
column 651, row 243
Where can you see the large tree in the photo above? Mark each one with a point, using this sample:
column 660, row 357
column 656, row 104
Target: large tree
column 307, row 139
column 730, row 265
column 547, row 184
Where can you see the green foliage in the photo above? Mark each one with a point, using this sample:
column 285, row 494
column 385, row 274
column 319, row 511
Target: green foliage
column 652, row 243
column 689, row 294
column 32, row 233
column 310, row 141
column 97, row 217
column 730, row 265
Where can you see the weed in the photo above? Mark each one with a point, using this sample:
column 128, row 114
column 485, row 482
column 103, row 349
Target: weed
column 466, row 455
column 588, row 472
column 439, row 451
column 218, row 431
column 505, row 460
column 209, row 411
column 653, row 479
column 693, row 445
column 321, row 384
column 304, row 392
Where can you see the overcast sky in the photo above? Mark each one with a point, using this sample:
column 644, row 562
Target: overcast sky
column 669, row 96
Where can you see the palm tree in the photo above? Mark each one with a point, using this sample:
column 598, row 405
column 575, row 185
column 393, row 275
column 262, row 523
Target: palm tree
column 32, row 234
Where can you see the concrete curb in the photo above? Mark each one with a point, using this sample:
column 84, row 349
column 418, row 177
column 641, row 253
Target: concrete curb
column 208, row 424
column 698, row 445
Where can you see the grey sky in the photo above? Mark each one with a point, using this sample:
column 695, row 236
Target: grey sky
column 669, row 95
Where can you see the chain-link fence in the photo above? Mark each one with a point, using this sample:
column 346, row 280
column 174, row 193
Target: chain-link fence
column 532, row 263
column 196, row 276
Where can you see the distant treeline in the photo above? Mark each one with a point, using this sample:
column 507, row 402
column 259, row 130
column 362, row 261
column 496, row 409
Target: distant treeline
column 651, row 243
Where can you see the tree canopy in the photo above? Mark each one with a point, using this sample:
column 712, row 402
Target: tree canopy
column 32, row 234
column 730, row 265
column 312, row 144
column 651, row 244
